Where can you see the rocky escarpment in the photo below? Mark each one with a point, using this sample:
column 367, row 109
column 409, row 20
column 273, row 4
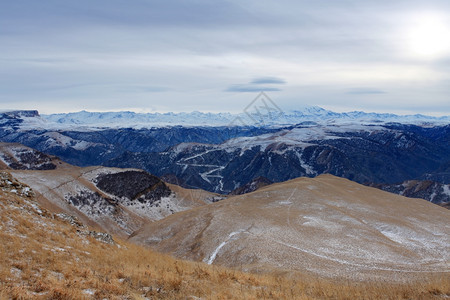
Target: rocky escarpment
column 141, row 193
column 19, row 157
column 9, row 184
column 18, row 114
column 92, row 203
column 11, row 120
column 425, row 189
column 252, row 186
column 122, row 205
column 133, row 185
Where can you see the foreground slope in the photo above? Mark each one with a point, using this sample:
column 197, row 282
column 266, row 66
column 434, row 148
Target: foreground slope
column 53, row 256
column 326, row 225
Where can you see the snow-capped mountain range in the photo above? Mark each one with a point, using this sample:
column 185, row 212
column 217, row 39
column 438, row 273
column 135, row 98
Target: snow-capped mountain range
column 127, row 119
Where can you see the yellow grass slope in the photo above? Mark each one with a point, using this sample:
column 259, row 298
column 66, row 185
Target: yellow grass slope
column 44, row 257
column 325, row 226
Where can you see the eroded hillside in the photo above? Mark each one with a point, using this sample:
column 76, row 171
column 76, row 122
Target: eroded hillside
column 119, row 201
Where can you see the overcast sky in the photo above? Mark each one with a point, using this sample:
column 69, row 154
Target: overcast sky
column 151, row 55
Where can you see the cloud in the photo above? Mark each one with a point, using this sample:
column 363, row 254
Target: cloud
column 268, row 80
column 365, row 91
column 176, row 53
column 258, row 84
column 142, row 88
column 244, row 88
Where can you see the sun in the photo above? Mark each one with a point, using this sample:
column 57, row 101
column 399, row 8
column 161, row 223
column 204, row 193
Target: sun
column 428, row 36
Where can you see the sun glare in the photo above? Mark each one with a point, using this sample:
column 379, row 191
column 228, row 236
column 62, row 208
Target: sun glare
column 428, row 36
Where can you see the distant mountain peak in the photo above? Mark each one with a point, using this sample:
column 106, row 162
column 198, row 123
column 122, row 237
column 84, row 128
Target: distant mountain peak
column 20, row 113
column 127, row 119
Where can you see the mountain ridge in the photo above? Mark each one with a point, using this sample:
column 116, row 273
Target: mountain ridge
column 85, row 120
column 195, row 118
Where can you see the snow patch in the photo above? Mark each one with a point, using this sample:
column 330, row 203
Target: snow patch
column 285, row 202
column 89, row 292
column 56, row 139
column 446, row 189
column 308, row 169
column 216, row 251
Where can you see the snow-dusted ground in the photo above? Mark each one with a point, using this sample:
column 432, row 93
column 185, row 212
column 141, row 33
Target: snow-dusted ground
column 301, row 137
column 213, row 255
column 56, row 139
column 327, row 225
column 73, row 190
column 25, row 157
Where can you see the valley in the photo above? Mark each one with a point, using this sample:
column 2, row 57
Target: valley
column 366, row 148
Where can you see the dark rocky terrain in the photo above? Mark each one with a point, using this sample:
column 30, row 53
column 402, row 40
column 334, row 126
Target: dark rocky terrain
column 134, row 185
column 94, row 147
column 425, row 189
column 389, row 154
column 12, row 119
column 252, row 186
column 19, row 157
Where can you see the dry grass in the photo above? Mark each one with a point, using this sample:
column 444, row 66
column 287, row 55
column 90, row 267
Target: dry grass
column 45, row 258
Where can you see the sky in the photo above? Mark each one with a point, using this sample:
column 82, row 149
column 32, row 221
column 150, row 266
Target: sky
column 216, row 56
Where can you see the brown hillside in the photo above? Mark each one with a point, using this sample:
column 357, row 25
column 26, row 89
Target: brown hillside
column 327, row 226
column 46, row 256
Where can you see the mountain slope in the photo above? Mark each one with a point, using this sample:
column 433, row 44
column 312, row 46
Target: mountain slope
column 252, row 186
column 52, row 256
column 363, row 153
column 83, row 193
column 327, row 226
column 83, row 146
